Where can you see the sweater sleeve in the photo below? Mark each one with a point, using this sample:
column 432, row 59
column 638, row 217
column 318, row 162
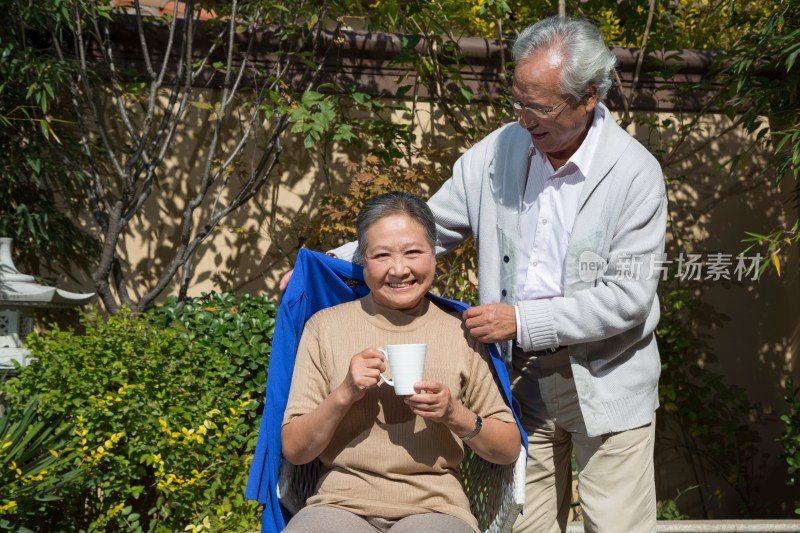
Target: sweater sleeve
column 310, row 379
column 450, row 208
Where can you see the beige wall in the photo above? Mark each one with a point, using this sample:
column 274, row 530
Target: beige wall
column 750, row 328
column 753, row 341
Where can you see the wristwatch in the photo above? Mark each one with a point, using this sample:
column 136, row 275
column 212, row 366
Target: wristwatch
column 476, row 429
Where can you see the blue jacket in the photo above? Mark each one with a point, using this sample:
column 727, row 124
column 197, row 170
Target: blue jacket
column 318, row 282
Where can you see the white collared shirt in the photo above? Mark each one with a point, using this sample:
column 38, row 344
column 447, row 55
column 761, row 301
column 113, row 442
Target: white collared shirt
column 547, row 214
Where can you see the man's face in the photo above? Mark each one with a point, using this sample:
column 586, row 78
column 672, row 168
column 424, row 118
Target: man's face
column 559, row 132
column 399, row 263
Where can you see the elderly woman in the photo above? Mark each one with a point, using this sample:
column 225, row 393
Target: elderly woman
column 391, row 461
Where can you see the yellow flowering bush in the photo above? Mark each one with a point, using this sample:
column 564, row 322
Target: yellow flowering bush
column 159, row 414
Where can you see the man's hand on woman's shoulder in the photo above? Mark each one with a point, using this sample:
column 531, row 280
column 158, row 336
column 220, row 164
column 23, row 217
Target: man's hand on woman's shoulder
column 492, row 322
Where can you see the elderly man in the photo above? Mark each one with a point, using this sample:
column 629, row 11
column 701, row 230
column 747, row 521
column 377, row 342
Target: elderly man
column 569, row 215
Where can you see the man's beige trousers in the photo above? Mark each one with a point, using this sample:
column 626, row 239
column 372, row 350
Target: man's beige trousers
column 616, row 485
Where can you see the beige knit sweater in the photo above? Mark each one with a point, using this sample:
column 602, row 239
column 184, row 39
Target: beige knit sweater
column 383, row 460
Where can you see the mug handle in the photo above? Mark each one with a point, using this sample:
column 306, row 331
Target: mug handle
column 385, row 358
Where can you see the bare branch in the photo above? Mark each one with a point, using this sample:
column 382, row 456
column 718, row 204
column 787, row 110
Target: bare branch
column 182, row 86
column 163, row 135
column 643, row 48
column 626, row 104
column 148, row 65
column 97, row 201
column 92, row 103
column 103, row 40
column 145, row 145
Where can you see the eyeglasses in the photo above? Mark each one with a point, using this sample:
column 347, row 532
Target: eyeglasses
column 538, row 112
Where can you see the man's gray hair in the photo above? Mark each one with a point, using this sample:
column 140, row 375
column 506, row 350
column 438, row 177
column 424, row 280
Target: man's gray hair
column 587, row 59
column 393, row 203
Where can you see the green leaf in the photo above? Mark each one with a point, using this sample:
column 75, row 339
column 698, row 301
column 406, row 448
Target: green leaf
column 407, row 42
column 309, row 98
column 361, row 98
column 344, row 132
column 402, row 90
column 202, row 105
column 465, row 94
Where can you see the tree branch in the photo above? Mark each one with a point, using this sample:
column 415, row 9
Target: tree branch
column 92, row 103
column 102, row 273
column 640, row 60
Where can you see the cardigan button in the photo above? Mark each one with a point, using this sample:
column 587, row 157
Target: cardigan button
column 506, row 259
column 504, row 292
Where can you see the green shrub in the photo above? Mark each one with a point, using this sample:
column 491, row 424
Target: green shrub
column 237, row 328
column 164, row 408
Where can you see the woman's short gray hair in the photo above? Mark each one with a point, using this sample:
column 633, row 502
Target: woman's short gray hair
column 587, row 59
column 393, row 203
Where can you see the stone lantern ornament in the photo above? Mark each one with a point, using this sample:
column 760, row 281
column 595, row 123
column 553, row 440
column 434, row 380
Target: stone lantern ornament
column 20, row 296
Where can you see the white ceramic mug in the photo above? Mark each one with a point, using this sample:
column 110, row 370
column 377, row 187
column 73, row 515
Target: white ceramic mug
column 407, row 362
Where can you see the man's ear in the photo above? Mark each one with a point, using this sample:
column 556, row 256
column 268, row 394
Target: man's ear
column 590, row 100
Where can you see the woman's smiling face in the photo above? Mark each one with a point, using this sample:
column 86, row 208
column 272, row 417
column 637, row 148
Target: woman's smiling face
column 399, row 263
